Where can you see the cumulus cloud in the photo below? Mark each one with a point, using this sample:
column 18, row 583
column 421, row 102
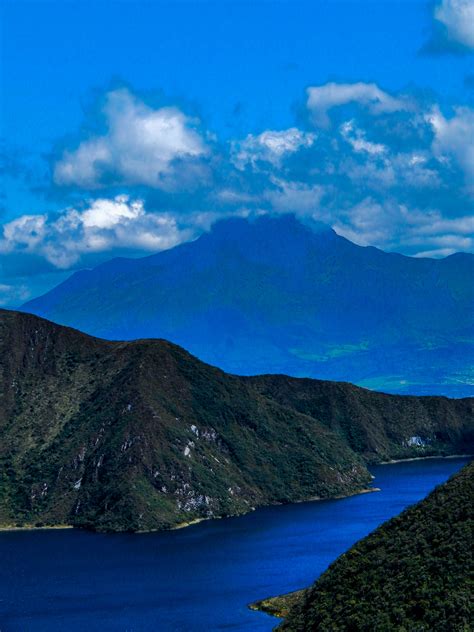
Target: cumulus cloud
column 322, row 99
column 270, row 146
column 102, row 226
column 393, row 173
column 381, row 172
column 457, row 18
column 290, row 197
column 454, row 139
column 395, row 226
column 142, row 146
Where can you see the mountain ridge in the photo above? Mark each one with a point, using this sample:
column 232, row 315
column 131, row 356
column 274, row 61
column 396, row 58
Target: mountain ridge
column 140, row 435
column 272, row 296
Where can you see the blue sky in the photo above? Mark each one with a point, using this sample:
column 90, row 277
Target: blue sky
column 130, row 126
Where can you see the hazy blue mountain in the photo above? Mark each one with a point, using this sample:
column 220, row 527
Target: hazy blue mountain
column 276, row 296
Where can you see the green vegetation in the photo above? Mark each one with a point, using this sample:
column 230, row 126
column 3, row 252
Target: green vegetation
column 279, row 606
column 414, row 573
column 141, row 435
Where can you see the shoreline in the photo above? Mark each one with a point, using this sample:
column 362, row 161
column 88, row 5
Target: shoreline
column 313, row 499
column 424, row 458
column 5, row 528
column 277, row 606
column 183, row 525
column 195, row 521
column 366, row 490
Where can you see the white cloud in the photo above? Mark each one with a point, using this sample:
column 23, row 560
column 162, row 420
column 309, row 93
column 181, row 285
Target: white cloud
column 390, row 183
column 390, row 170
column 295, row 197
column 394, row 226
column 270, row 146
column 139, row 147
column 436, row 253
column 103, row 226
column 368, row 222
column 458, row 18
column 357, row 139
column 454, row 139
column 458, row 228
column 27, row 231
column 321, row 99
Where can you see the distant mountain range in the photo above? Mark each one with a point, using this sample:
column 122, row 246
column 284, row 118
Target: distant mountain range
column 141, row 435
column 275, row 296
column 412, row 573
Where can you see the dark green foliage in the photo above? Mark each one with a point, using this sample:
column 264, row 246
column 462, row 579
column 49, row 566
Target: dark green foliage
column 279, row 606
column 413, row 574
column 141, row 435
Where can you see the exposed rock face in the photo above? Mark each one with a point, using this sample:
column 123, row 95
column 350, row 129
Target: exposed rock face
column 141, row 435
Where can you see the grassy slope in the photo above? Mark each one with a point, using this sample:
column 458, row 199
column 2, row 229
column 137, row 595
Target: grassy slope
column 414, row 573
column 141, row 435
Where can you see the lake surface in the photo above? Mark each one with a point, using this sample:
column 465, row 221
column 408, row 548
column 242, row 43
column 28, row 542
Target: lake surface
column 195, row 579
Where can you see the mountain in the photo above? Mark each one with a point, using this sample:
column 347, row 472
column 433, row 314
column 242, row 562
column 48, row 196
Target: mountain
column 275, row 296
column 141, row 435
column 412, row 573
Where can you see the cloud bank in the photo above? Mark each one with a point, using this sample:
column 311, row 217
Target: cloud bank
column 270, row 146
column 321, row 99
column 104, row 225
column 454, row 139
column 382, row 169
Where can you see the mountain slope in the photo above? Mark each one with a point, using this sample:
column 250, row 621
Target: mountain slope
column 274, row 295
column 141, row 435
column 412, row 573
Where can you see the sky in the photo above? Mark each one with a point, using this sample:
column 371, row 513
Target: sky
column 129, row 127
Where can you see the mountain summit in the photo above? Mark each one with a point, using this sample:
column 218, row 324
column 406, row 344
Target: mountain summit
column 274, row 295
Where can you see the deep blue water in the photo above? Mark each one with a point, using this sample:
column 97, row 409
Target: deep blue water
column 196, row 579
